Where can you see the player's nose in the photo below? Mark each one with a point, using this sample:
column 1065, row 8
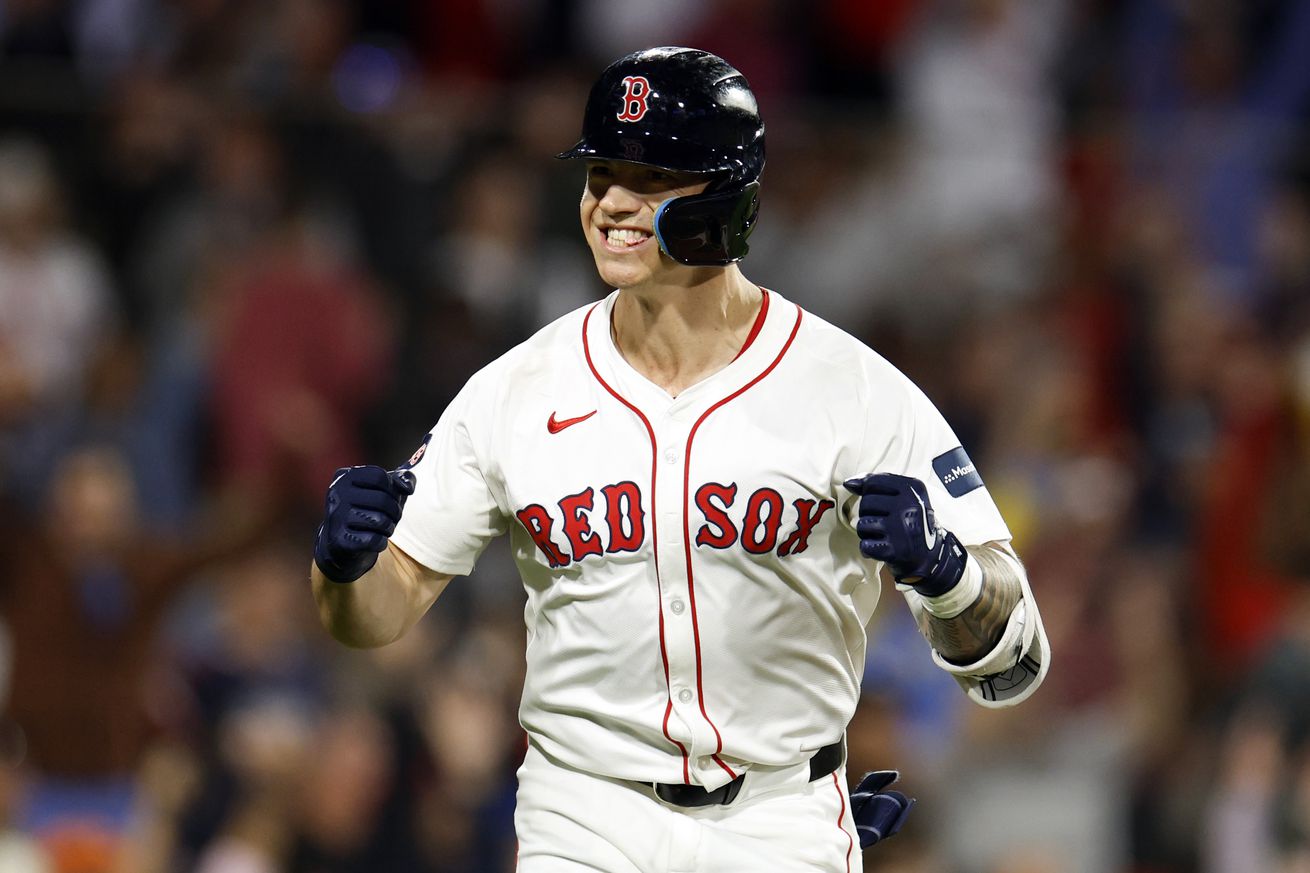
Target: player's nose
column 618, row 201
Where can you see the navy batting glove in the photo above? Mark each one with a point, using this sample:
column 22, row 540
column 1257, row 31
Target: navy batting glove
column 877, row 812
column 363, row 506
column 897, row 526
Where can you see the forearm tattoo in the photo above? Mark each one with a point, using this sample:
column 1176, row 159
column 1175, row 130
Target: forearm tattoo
column 974, row 632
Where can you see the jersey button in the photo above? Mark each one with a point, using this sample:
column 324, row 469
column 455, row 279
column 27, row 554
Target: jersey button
column 685, row 695
column 677, row 606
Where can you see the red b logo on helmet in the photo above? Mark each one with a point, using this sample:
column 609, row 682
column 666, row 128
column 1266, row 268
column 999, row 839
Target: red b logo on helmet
column 634, row 99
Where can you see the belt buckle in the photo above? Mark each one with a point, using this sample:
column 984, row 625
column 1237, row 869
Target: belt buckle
column 694, row 796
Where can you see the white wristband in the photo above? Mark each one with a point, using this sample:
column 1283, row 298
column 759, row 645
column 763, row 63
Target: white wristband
column 959, row 598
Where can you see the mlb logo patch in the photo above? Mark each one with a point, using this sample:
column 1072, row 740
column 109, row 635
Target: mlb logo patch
column 957, row 472
column 418, row 454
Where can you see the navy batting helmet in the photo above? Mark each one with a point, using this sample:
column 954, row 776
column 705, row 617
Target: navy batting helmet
column 685, row 110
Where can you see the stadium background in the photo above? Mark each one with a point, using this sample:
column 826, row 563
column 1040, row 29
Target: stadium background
column 243, row 243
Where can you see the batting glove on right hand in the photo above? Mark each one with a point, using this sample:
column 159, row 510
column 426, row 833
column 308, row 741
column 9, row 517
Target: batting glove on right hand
column 878, row 813
column 363, row 506
column 897, row 526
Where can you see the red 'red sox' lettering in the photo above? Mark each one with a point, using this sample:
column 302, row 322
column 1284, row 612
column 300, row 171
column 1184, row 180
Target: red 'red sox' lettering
column 577, row 527
column 763, row 518
column 758, row 531
column 537, row 521
column 808, row 513
column 623, row 509
column 716, row 515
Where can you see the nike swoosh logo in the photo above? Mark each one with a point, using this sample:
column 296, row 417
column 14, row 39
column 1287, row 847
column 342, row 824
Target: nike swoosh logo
column 556, row 426
column 929, row 537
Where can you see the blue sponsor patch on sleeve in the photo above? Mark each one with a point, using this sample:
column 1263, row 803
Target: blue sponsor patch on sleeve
column 956, row 472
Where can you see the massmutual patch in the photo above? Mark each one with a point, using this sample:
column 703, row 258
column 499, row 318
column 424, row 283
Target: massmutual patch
column 956, row 472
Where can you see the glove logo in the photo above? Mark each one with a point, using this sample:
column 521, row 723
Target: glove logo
column 634, row 99
column 929, row 528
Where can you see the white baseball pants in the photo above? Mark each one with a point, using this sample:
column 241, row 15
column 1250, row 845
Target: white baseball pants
column 569, row 821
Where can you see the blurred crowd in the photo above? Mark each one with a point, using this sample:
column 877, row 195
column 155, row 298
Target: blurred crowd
column 245, row 242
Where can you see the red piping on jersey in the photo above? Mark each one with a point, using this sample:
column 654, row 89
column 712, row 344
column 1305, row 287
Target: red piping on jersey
column 655, row 539
column 758, row 325
column 686, row 529
column 841, row 817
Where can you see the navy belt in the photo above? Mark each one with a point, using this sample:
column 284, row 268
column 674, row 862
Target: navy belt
column 823, row 762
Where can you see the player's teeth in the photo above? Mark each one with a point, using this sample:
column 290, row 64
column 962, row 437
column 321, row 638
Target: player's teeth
column 625, row 237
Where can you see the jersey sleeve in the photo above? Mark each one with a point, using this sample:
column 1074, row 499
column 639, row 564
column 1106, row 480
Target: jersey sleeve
column 924, row 446
column 453, row 513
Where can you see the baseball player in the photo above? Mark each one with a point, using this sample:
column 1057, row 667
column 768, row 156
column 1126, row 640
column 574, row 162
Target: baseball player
column 704, row 488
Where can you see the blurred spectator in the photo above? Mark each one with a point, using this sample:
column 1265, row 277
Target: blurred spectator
column 153, row 126
column 85, row 594
column 1215, row 116
column 981, row 118
column 145, row 410
column 216, row 224
column 55, row 298
column 301, row 349
column 245, row 637
column 490, row 256
column 19, row 852
column 608, row 29
column 290, row 57
column 1239, row 831
column 249, row 697
column 1243, row 595
column 467, row 716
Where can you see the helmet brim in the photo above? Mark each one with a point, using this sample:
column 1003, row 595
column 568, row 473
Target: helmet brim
column 665, row 153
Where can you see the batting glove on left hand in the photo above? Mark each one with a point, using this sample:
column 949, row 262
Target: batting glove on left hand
column 897, row 526
column 878, row 813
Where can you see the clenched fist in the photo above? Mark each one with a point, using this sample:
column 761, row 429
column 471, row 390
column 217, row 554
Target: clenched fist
column 897, row 526
column 363, row 506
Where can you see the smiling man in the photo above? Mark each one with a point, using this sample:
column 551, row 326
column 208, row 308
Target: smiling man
column 705, row 488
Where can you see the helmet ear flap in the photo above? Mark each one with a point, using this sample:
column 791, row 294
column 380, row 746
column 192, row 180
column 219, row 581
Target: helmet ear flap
column 709, row 229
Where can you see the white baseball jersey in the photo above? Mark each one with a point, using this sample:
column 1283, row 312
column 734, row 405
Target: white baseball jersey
column 697, row 599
